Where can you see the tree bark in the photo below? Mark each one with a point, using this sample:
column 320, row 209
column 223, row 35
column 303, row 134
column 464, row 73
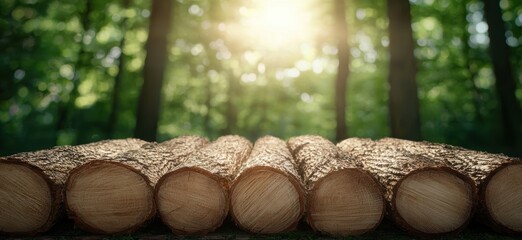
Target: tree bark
column 176, row 152
column 51, row 167
column 207, row 128
column 231, row 111
column 342, row 70
column 192, row 197
column 215, row 16
column 403, row 98
column 120, row 189
column 424, row 195
column 147, row 115
column 497, row 176
column 505, row 83
column 359, row 204
column 256, row 196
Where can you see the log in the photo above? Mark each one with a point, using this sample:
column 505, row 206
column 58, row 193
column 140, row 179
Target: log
column 192, row 197
column 498, row 177
column 31, row 193
column 267, row 196
column 424, row 196
column 342, row 198
column 115, row 195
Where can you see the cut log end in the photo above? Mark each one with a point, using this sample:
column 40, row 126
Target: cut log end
column 346, row 202
column 25, row 199
column 434, row 201
column 191, row 201
column 503, row 197
column 265, row 200
column 109, row 198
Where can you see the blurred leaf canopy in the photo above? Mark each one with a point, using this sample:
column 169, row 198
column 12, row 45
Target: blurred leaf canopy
column 275, row 61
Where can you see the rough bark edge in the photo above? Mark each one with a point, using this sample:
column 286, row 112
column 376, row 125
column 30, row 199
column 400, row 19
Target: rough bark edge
column 394, row 214
column 220, row 180
column 482, row 207
column 373, row 182
column 212, row 152
column 57, row 195
column 481, row 210
column 295, row 182
column 82, row 225
column 343, row 160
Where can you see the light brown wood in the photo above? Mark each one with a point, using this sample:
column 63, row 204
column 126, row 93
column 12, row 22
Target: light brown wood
column 346, row 202
column 25, row 199
column 499, row 201
column 192, row 197
column 115, row 195
column 109, row 198
column 342, row 199
column 425, row 196
column 265, row 201
column 434, row 201
column 503, row 197
column 52, row 167
column 267, row 196
column 191, row 202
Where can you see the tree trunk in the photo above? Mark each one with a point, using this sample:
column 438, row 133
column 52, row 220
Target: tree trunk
column 115, row 195
column 327, row 173
column 403, row 99
column 424, row 195
column 35, row 182
column 342, row 70
column 498, row 177
column 215, row 13
column 231, row 112
column 192, row 197
column 470, row 67
column 256, row 198
column 505, row 83
column 147, row 115
column 115, row 101
column 65, row 107
column 208, row 105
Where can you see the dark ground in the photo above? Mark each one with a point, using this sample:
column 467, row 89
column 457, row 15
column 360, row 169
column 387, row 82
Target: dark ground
column 156, row 230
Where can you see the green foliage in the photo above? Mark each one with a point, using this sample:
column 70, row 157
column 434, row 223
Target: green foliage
column 277, row 82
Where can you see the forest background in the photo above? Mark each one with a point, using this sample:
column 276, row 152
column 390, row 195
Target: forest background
column 74, row 72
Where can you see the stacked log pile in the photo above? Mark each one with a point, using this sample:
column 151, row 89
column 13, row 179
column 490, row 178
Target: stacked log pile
column 115, row 195
column 342, row 199
column 33, row 182
column 425, row 196
column 118, row 186
column 267, row 196
column 193, row 197
column 498, row 177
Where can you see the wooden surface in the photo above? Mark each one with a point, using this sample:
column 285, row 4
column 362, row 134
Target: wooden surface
column 267, row 196
column 53, row 166
column 342, row 199
column 25, row 199
column 192, row 198
column 420, row 214
column 498, row 178
column 505, row 198
column 115, row 194
column 109, row 198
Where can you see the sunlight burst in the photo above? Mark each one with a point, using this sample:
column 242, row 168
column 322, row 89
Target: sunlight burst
column 274, row 23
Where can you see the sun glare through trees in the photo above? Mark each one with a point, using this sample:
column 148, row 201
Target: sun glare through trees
column 73, row 71
column 276, row 24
